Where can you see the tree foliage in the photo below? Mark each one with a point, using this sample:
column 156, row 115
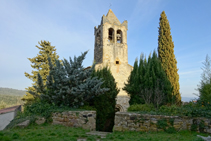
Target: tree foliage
column 40, row 65
column 105, row 104
column 132, row 87
column 148, row 83
column 204, row 87
column 68, row 83
column 166, row 55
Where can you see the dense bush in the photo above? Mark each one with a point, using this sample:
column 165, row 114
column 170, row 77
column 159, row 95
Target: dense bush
column 141, row 107
column 68, row 84
column 191, row 110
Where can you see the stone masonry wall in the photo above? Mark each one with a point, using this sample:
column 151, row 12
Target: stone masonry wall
column 84, row 119
column 144, row 122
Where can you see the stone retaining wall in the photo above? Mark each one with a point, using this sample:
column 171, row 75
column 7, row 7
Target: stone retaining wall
column 144, row 122
column 84, row 119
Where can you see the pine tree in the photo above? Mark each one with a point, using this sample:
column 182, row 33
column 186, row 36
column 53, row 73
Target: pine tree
column 204, row 87
column 105, row 104
column 166, row 55
column 40, row 64
column 68, row 84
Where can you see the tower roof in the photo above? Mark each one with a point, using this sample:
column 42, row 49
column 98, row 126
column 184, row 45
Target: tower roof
column 112, row 18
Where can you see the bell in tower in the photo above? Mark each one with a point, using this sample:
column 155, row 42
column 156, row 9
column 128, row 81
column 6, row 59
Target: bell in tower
column 111, row 50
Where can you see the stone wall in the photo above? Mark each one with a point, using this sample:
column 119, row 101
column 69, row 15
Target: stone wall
column 84, row 119
column 144, row 122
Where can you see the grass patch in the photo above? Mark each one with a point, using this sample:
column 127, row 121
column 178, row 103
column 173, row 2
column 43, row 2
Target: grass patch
column 63, row 133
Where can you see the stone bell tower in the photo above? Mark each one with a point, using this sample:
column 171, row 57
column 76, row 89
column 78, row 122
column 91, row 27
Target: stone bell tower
column 111, row 50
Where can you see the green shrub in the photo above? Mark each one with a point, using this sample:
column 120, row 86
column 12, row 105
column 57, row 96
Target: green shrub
column 170, row 130
column 173, row 109
column 141, row 107
column 193, row 127
column 162, row 124
column 190, row 110
column 39, row 108
column 105, row 103
column 87, row 107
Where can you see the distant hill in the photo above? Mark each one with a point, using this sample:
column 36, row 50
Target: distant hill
column 187, row 99
column 11, row 92
column 10, row 97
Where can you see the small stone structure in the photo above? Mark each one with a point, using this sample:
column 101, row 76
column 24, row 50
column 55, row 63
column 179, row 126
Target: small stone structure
column 84, row 119
column 144, row 122
column 111, row 50
column 7, row 115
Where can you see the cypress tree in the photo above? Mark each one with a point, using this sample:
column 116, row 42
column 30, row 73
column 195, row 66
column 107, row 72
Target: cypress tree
column 40, row 64
column 148, row 82
column 160, row 80
column 134, row 81
column 105, row 104
column 166, row 55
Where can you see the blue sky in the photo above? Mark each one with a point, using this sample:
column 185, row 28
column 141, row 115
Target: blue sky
column 69, row 25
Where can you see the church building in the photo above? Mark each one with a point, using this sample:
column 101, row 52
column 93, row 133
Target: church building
column 111, row 50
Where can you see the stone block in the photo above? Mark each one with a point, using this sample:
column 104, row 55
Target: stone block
column 60, row 119
column 159, row 130
column 57, row 122
column 132, row 129
column 59, row 115
column 178, row 126
column 136, row 125
column 144, row 127
column 130, row 121
column 24, row 124
column 40, row 120
column 124, row 123
column 125, row 128
column 146, row 123
column 144, row 130
column 131, row 125
column 117, row 128
column 65, row 119
column 86, row 126
column 153, row 129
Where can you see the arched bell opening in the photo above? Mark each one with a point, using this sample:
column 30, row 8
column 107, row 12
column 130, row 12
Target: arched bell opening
column 119, row 36
column 111, row 35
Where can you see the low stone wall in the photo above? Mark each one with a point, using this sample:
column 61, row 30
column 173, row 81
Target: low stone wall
column 84, row 119
column 144, row 122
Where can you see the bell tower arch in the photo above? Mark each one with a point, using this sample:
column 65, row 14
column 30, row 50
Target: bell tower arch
column 111, row 50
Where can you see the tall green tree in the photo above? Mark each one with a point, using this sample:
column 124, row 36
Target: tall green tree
column 40, row 65
column 204, row 88
column 105, row 104
column 68, row 84
column 134, row 81
column 148, row 82
column 166, row 55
